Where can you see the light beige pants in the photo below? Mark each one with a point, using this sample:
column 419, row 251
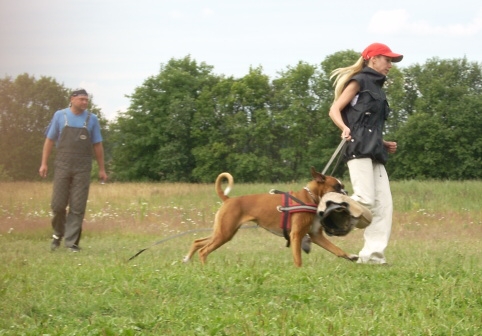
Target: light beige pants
column 371, row 188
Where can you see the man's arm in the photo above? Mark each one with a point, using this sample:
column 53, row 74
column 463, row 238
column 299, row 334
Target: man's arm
column 47, row 149
column 99, row 156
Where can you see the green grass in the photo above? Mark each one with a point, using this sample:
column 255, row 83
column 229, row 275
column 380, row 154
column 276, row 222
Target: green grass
column 249, row 286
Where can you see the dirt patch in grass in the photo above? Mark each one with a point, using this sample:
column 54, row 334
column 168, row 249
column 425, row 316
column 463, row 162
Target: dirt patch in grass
column 421, row 226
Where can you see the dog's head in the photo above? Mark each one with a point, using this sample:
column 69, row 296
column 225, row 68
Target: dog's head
column 337, row 221
column 322, row 184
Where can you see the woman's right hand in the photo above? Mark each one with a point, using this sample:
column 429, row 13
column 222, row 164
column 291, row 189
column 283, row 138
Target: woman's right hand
column 346, row 134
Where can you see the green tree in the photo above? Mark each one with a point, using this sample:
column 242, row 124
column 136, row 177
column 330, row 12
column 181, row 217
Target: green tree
column 26, row 107
column 152, row 140
column 441, row 138
column 234, row 130
column 211, row 131
column 297, row 107
column 250, row 128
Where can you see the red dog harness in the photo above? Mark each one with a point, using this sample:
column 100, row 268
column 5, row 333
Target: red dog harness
column 291, row 205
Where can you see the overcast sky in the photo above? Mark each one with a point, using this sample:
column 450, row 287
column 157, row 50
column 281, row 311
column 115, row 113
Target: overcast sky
column 111, row 47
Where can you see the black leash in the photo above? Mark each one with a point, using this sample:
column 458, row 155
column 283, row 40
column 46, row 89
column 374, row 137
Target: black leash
column 183, row 234
column 338, row 150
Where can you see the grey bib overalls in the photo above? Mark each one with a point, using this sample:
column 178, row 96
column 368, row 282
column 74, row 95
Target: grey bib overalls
column 73, row 164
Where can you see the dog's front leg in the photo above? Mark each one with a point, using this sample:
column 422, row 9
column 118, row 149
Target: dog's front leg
column 295, row 239
column 320, row 239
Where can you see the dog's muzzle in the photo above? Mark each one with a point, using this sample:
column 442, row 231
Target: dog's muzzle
column 340, row 214
column 336, row 219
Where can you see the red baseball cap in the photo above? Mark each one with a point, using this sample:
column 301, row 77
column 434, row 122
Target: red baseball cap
column 376, row 49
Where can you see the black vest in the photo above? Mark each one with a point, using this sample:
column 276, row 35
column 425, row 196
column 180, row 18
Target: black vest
column 366, row 118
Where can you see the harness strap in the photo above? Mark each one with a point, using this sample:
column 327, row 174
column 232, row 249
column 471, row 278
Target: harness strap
column 274, row 191
column 287, row 209
column 299, row 208
column 286, row 220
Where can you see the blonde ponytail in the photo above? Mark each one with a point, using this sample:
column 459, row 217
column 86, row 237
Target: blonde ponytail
column 343, row 75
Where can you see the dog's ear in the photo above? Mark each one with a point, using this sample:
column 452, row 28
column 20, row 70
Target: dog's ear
column 318, row 177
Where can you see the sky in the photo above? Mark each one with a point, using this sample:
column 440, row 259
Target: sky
column 111, row 47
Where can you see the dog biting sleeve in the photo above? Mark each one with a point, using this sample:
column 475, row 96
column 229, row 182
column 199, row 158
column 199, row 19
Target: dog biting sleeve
column 360, row 215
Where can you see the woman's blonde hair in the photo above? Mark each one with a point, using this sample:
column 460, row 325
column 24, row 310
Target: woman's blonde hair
column 343, row 75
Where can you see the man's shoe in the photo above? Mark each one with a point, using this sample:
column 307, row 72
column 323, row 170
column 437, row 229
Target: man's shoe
column 306, row 244
column 55, row 243
column 74, row 248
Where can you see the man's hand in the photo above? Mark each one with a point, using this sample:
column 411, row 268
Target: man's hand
column 43, row 171
column 102, row 176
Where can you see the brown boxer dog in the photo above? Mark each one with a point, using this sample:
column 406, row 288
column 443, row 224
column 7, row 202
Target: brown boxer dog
column 262, row 209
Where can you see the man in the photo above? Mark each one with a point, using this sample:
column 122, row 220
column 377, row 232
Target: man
column 76, row 131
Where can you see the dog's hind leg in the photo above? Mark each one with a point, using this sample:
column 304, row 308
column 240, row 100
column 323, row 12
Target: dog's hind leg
column 196, row 245
column 218, row 239
column 214, row 244
column 226, row 223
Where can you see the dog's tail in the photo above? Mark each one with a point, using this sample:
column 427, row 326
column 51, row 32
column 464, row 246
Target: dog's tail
column 224, row 195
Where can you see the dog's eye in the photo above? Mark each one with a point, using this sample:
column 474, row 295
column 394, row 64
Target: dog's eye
column 341, row 189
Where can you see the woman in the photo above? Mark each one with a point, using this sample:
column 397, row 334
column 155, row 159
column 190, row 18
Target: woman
column 360, row 109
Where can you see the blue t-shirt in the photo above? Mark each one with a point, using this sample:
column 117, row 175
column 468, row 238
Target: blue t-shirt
column 57, row 124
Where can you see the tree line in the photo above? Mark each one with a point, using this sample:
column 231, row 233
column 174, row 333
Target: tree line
column 188, row 124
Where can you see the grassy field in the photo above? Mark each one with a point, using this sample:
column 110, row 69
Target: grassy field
column 249, row 286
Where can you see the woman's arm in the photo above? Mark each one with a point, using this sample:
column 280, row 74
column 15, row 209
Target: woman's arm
column 345, row 98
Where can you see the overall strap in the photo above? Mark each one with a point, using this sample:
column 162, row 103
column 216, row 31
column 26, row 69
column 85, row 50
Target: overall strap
column 65, row 118
column 86, row 123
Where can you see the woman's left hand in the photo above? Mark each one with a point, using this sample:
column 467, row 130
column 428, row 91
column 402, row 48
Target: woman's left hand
column 391, row 146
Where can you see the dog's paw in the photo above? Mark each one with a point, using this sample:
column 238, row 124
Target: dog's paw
column 185, row 259
column 352, row 257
